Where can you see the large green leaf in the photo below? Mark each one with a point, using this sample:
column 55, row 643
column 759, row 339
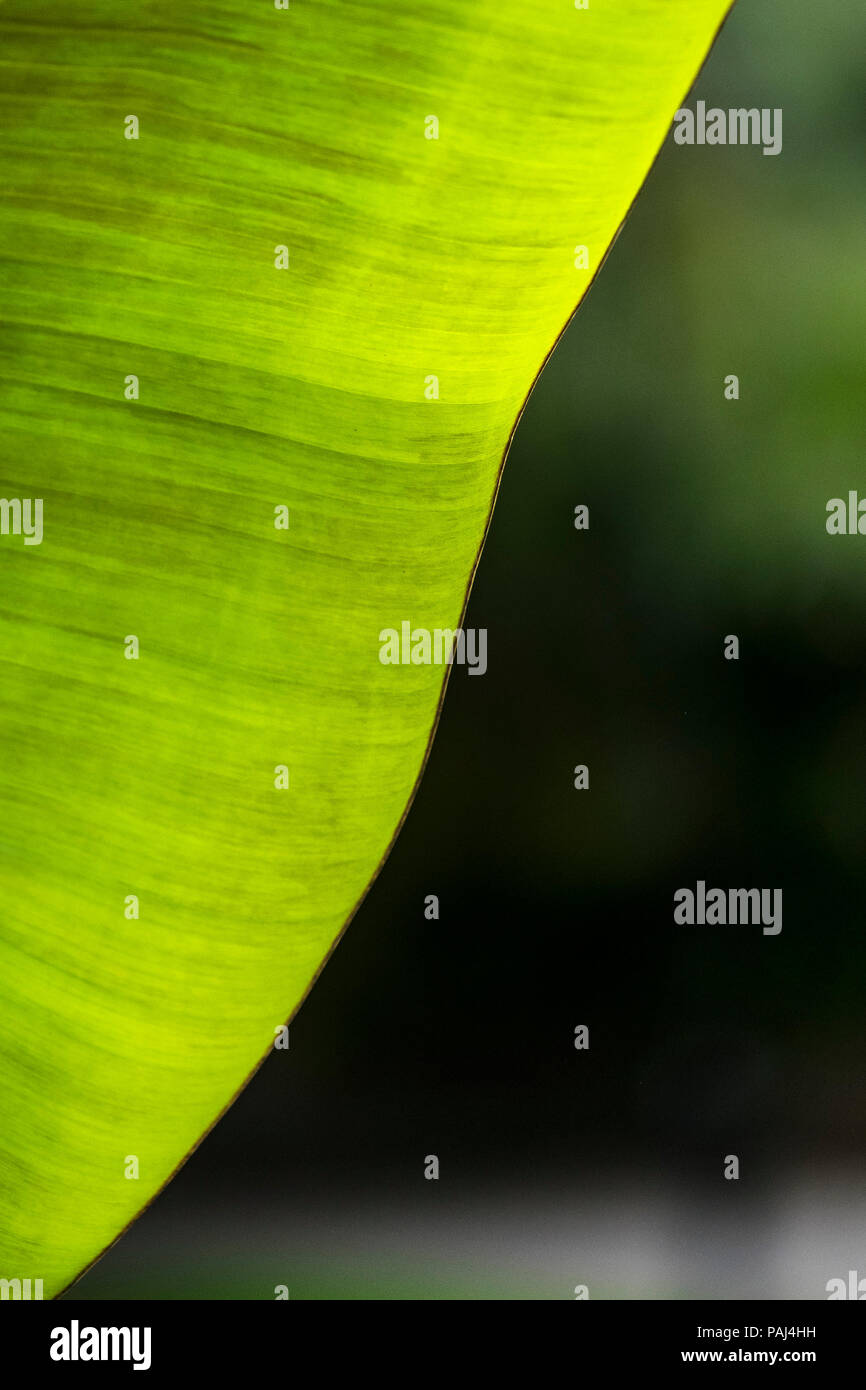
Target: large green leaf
column 409, row 257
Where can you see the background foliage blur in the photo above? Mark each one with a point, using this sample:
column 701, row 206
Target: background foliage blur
column 455, row 1038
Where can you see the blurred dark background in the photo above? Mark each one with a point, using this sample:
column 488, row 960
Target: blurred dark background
column 455, row 1037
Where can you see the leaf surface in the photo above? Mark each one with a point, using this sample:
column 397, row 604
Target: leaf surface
column 307, row 387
